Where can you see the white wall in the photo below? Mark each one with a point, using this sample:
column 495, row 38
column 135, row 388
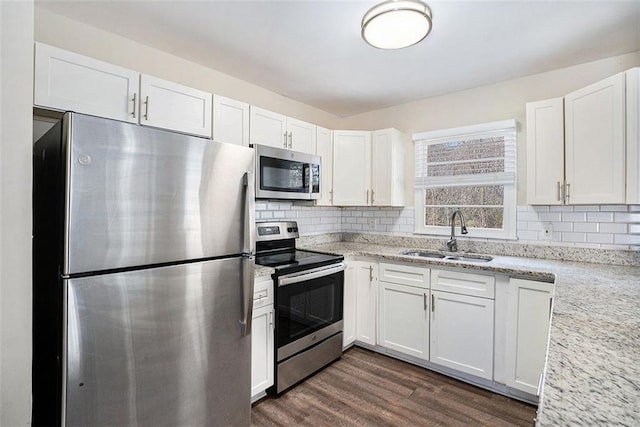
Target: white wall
column 499, row 101
column 16, row 71
column 59, row 31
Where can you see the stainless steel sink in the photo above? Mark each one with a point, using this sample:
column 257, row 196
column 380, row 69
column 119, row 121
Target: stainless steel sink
column 465, row 258
column 424, row 254
column 436, row 255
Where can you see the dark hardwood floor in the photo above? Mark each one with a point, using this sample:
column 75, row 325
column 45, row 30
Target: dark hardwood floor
column 365, row 388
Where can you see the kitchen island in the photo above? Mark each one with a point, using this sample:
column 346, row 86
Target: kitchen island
column 592, row 373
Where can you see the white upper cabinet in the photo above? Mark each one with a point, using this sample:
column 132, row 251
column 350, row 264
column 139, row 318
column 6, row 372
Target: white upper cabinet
column 595, row 142
column 268, row 128
column 301, row 136
column 67, row 81
column 324, row 149
column 172, row 106
column 633, row 135
column 230, row 121
column 279, row 131
column 597, row 127
column 545, row 152
column 351, row 168
column 387, row 168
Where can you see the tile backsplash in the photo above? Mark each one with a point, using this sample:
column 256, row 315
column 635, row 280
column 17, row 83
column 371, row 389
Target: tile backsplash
column 595, row 226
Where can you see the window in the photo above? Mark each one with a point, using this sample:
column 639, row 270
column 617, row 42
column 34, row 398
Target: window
column 471, row 168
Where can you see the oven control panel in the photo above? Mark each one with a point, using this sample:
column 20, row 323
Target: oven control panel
column 276, row 230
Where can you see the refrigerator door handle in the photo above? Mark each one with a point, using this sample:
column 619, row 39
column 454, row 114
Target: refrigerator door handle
column 246, row 299
column 249, row 214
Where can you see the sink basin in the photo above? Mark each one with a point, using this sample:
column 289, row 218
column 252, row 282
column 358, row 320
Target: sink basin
column 469, row 258
column 436, row 255
column 424, row 254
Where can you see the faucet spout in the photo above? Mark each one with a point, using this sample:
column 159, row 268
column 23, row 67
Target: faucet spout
column 452, row 243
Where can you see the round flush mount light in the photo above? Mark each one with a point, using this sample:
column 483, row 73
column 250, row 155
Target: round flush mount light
column 396, row 24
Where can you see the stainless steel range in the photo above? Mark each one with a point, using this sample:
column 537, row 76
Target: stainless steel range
column 308, row 297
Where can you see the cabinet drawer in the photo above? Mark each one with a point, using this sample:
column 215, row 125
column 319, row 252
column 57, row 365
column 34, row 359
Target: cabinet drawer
column 463, row 283
column 262, row 293
column 405, row 275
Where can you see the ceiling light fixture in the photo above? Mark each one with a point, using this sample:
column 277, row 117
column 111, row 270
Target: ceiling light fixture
column 395, row 24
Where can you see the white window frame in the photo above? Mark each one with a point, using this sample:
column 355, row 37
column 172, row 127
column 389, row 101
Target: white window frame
column 508, row 179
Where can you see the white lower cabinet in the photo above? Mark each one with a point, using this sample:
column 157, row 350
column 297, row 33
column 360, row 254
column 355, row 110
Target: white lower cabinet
column 262, row 338
column 462, row 328
column 528, row 322
column 349, row 305
column 403, row 311
column 366, row 301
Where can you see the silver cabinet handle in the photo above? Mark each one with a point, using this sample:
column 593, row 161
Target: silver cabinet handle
column 433, row 303
column 290, row 139
column 367, row 197
column 285, row 140
column 146, row 108
column 425, row 302
column 134, row 104
column 331, row 196
column 559, row 191
column 372, row 196
column 568, row 193
column 271, row 325
column 370, row 274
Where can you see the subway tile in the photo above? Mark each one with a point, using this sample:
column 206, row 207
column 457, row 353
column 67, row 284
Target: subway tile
column 627, row 217
column 614, row 208
column 540, row 209
column 634, row 228
column 522, row 225
column 615, row 247
column 528, row 235
column 261, row 206
column 550, row 216
column 527, row 216
column 588, row 245
column 626, row 239
column 574, row 216
column 379, row 214
column 585, row 227
column 634, row 208
column 611, row 227
column 600, row 238
column 574, row 237
column 600, row 216
column 586, row 208
column 563, row 226
column 560, row 208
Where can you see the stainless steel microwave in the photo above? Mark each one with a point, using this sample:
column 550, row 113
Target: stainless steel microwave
column 286, row 174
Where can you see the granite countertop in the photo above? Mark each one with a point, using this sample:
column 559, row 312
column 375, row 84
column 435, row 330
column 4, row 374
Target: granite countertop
column 592, row 375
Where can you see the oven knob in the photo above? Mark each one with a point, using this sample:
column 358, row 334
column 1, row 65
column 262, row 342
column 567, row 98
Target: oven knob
column 290, row 229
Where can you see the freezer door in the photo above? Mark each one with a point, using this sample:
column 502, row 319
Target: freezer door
column 139, row 196
column 158, row 347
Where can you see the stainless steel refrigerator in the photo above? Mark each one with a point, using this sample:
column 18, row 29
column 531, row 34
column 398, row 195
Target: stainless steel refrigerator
column 143, row 277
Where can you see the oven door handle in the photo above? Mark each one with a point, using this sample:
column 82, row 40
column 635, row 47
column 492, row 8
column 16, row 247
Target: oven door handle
column 290, row 279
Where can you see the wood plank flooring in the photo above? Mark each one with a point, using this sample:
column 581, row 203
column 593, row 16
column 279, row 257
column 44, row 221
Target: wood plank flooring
column 365, row 388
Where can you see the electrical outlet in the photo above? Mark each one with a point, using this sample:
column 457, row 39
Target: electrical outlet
column 547, row 231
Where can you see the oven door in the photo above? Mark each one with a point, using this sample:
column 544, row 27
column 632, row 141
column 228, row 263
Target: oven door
column 308, row 308
column 283, row 174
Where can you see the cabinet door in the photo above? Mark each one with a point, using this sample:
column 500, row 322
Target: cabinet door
column 462, row 333
column 633, row 135
column 70, row 82
column 230, row 121
column 387, row 168
column 403, row 319
column 301, row 135
column 349, row 305
column 261, row 351
column 172, row 106
column 351, row 168
column 267, row 128
column 595, row 142
column 545, row 152
column 324, row 149
column 528, row 320
column 367, row 301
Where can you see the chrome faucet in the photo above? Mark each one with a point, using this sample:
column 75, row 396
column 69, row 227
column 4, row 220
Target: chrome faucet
column 452, row 243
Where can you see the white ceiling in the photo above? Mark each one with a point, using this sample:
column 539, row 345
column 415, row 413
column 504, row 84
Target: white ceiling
column 311, row 51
